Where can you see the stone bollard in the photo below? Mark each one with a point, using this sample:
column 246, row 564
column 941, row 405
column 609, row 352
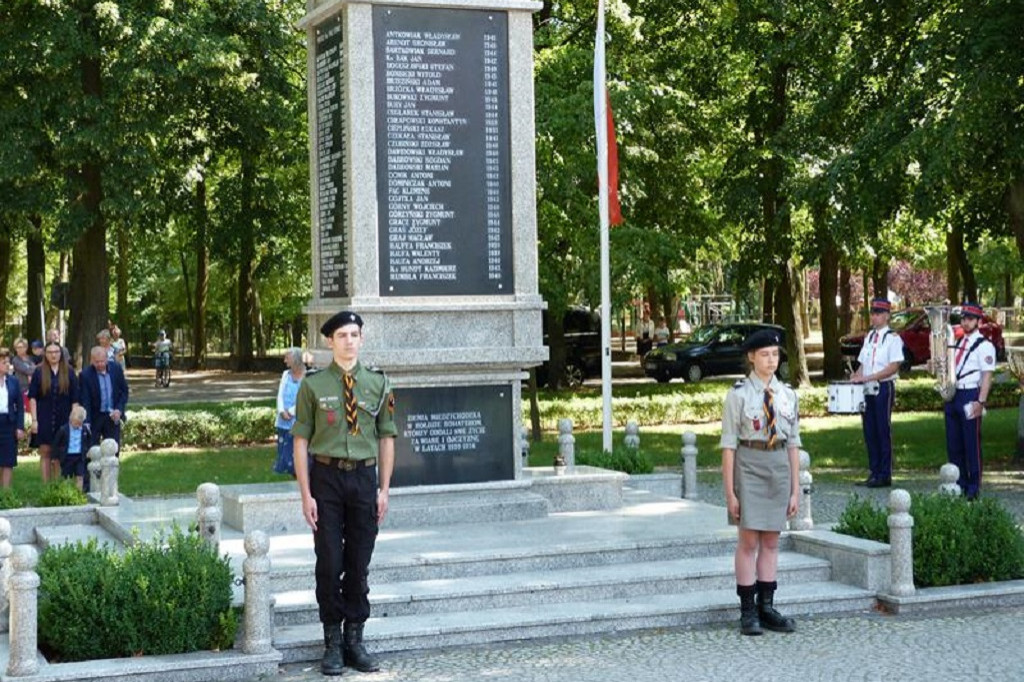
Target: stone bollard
column 803, row 520
column 524, row 444
column 901, row 544
column 5, row 570
column 259, row 628
column 109, row 466
column 949, row 474
column 565, row 460
column 95, row 468
column 24, row 592
column 689, row 457
column 209, row 513
column 632, row 440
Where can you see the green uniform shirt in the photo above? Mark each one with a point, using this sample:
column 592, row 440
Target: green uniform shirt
column 320, row 413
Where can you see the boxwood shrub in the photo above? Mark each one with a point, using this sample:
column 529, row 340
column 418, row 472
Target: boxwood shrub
column 956, row 542
column 166, row 596
column 623, row 459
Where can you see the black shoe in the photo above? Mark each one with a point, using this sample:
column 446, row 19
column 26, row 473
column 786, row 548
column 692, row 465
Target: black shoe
column 769, row 618
column 332, row 663
column 356, row 655
column 866, row 482
column 880, row 483
column 750, row 625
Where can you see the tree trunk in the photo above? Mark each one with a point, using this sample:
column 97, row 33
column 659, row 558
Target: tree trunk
column 955, row 244
column 768, row 300
column 202, row 277
column 6, row 263
column 801, row 283
column 35, row 255
column 845, row 305
column 788, row 308
column 828, row 285
column 90, row 274
column 1015, row 208
column 865, row 310
column 952, row 269
column 880, row 277
column 246, row 300
column 257, row 324
column 123, row 315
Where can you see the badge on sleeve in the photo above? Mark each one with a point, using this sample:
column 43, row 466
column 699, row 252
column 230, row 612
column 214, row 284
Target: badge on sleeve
column 391, row 402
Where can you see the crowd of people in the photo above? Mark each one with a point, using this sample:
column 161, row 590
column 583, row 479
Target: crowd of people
column 59, row 411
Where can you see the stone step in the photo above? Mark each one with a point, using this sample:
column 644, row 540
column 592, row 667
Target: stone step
column 611, row 581
column 433, row 631
column 297, row 573
column 53, row 536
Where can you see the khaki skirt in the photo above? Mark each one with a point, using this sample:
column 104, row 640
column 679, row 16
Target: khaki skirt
column 762, row 484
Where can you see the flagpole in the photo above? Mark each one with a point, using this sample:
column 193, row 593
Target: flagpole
column 601, row 131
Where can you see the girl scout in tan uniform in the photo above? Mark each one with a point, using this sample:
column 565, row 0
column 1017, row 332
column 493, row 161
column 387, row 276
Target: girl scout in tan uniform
column 760, row 471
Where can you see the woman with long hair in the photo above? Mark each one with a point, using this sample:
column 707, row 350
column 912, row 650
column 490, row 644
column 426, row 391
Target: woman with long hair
column 52, row 393
column 760, row 468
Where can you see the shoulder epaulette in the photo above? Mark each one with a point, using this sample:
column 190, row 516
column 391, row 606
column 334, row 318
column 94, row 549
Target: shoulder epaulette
column 739, row 383
column 375, row 369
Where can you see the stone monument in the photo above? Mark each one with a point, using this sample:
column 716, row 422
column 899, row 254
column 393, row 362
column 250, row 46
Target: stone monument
column 424, row 217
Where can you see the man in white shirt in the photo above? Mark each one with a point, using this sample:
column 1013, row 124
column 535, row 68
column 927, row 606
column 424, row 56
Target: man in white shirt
column 880, row 360
column 974, row 360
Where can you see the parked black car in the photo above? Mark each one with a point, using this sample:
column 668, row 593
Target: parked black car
column 710, row 350
column 582, row 347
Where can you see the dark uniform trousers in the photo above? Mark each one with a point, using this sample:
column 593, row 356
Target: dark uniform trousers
column 963, row 441
column 877, row 422
column 346, row 532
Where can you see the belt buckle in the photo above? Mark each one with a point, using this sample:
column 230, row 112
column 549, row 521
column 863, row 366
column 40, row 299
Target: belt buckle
column 348, row 464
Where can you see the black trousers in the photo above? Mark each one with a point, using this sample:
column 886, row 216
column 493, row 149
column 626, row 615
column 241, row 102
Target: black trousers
column 346, row 532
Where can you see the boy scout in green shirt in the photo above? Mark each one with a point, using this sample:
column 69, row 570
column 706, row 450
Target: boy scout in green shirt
column 344, row 436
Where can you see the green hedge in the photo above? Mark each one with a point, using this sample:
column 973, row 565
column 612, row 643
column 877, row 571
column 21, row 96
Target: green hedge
column 622, row 459
column 170, row 595
column 956, row 542
column 206, row 426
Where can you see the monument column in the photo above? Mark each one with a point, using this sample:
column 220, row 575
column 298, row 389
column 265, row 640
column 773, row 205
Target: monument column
column 424, row 217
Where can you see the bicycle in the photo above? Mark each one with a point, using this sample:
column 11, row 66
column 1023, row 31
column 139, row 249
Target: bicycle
column 162, row 361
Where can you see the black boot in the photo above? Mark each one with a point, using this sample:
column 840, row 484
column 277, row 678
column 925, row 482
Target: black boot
column 770, row 618
column 749, row 623
column 332, row 663
column 356, row 654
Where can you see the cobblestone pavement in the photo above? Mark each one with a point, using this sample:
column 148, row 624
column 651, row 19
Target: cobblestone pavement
column 947, row 648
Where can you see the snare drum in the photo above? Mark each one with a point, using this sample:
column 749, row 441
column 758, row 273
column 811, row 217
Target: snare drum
column 845, row 397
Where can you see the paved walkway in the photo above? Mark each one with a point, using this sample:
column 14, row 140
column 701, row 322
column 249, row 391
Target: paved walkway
column 946, row 648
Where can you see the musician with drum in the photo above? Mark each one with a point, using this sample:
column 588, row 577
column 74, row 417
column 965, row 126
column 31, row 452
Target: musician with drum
column 880, row 360
column 974, row 360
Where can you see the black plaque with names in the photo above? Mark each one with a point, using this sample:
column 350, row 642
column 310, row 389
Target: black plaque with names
column 457, row 434
column 329, row 66
column 443, row 168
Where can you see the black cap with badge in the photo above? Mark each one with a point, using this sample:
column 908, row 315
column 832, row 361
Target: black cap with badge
column 762, row 339
column 340, row 320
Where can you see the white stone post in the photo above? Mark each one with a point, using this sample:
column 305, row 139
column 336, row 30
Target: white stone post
column 901, row 544
column 22, row 660
column 689, row 457
column 259, row 627
column 209, row 513
column 5, row 570
column 565, row 461
column 949, row 474
column 109, row 466
column 95, row 467
column 803, row 520
column 632, row 440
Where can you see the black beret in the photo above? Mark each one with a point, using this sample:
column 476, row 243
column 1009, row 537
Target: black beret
column 762, row 338
column 340, row 320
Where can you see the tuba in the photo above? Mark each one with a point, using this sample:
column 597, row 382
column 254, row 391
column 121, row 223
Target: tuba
column 942, row 343
column 1015, row 360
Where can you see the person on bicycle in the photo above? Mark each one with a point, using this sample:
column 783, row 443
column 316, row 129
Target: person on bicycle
column 161, row 353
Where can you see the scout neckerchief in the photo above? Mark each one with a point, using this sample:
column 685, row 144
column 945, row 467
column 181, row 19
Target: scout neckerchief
column 769, row 413
column 351, row 416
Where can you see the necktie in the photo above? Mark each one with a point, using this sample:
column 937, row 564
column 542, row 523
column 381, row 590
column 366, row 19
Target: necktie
column 960, row 353
column 350, row 405
column 769, row 413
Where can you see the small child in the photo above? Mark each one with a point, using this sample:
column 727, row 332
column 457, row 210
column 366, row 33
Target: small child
column 71, row 445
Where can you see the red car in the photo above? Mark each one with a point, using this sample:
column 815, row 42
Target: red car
column 913, row 327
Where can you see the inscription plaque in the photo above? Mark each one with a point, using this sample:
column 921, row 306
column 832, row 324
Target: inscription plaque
column 331, row 230
column 456, row 434
column 443, row 169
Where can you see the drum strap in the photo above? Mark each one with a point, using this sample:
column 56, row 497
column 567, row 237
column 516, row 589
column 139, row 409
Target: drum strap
column 960, row 374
